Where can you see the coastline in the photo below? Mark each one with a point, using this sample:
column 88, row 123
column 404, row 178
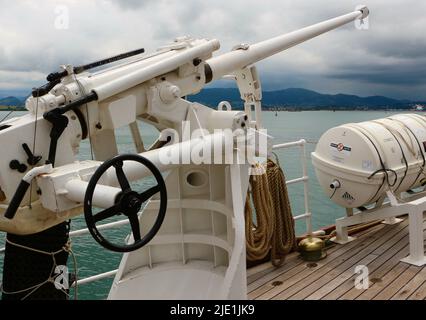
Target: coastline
column 12, row 108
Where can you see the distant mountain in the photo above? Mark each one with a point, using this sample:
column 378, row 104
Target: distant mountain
column 290, row 98
column 301, row 98
column 11, row 101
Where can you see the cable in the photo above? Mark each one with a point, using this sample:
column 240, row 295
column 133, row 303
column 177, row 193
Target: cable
column 4, row 118
column 385, row 177
column 334, row 192
column 403, row 156
column 420, row 148
column 34, row 145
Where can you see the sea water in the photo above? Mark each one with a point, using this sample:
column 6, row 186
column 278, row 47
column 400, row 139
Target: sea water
column 284, row 127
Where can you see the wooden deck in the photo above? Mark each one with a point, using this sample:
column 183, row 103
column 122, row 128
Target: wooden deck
column 379, row 248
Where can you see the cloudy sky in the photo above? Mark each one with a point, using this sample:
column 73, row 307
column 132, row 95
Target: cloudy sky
column 388, row 59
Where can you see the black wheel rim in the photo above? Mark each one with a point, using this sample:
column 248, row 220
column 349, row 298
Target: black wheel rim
column 122, row 207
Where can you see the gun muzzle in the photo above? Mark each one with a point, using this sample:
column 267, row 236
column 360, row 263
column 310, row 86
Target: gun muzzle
column 244, row 56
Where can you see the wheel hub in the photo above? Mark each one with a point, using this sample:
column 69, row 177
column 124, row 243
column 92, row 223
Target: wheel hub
column 130, row 203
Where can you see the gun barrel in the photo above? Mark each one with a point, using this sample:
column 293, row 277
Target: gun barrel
column 235, row 60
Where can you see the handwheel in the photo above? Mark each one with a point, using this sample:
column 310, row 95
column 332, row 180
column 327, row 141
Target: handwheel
column 127, row 202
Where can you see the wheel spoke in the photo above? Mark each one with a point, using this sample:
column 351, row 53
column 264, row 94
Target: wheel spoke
column 134, row 224
column 122, row 180
column 149, row 193
column 105, row 214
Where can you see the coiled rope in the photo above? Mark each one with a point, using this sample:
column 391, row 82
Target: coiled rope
column 272, row 232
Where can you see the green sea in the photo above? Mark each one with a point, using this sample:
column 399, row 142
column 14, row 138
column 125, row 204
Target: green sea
column 283, row 126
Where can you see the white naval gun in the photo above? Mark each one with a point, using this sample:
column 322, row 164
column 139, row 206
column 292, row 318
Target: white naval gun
column 192, row 224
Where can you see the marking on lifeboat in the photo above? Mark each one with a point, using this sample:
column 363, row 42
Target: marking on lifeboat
column 348, row 197
column 340, row 148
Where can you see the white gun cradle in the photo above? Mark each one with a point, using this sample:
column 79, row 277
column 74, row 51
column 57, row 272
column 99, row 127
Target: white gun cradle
column 195, row 247
column 357, row 163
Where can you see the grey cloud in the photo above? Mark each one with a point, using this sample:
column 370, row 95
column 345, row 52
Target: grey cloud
column 413, row 75
column 389, row 59
column 133, row 4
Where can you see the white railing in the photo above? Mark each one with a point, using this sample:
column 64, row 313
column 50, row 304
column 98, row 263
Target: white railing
column 307, row 215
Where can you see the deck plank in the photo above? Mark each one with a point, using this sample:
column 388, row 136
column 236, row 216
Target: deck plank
column 420, row 293
column 358, row 250
column 304, row 268
column 385, row 275
column 270, row 273
column 383, row 282
column 345, row 271
column 345, row 282
column 406, row 291
column 398, row 283
column 380, row 248
column 349, row 284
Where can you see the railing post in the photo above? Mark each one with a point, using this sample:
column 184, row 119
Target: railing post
column 305, row 179
column 306, row 186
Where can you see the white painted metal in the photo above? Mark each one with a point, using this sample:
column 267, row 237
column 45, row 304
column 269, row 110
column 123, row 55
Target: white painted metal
column 417, row 248
column 305, row 179
column 125, row 221
column 297, row 180
column 306, row 188
column 20, row 130
column 199, row 252
column 289, row 144
column 307, row 216
column 104, row 196
column 65, row 189
column 241, row 58
column 414, row 206
column 131, row 79
column 30, row 175
column 97, row 277
column 100, row 227
column 354, row 155
column 107, row 226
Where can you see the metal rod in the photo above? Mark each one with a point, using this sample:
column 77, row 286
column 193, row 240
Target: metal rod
column 303, row 216
column 302, row 179
column 55, row 76
column 105, row 226
column 289, row 144
column 306, row 187
column 96, row 277
column 242, row 57
column 305, row 179
column 102, row 62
